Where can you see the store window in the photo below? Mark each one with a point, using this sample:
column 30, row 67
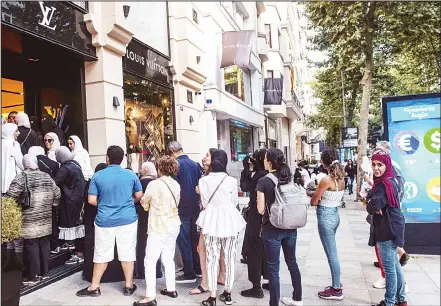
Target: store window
column 268, row 35
column 241, row 141
column 148, row 120
column 238, row 83
column 270, row 74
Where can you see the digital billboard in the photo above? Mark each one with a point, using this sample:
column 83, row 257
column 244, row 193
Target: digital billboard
column 412, row 126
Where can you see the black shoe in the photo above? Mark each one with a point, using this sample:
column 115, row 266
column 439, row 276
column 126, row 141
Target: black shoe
column 129, row 291
column 67, row 246
column 183, row 280
column 86, row 292
column 45, row 276
column 56, row 250
column 265, row 286
column 226, row 298
column 256, row 293
column 376, row 264
column 172, row 294
column 151, row 303
column 404, row 259
column 211, row 301
column 31, row 281
column 382, row 303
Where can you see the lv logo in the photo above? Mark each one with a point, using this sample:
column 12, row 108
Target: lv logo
column 48, row 12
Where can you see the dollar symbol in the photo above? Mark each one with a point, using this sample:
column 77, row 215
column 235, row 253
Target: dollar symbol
column 435, row 140
column 432, row 140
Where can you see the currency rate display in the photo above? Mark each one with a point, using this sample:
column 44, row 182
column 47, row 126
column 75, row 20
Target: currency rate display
column 412, row 125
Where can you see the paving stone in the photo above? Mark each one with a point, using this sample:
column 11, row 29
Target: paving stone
column 357, row 273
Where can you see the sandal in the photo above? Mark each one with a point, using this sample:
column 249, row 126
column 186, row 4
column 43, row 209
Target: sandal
column 201, row 290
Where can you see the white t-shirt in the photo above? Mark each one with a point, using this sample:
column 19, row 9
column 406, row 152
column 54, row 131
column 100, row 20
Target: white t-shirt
column 305, row 176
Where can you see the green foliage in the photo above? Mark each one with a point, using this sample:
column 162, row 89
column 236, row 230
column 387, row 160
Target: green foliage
column 406, row 54
column 11, row 220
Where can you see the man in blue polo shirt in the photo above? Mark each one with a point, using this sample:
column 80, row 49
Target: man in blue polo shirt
column 115, row 190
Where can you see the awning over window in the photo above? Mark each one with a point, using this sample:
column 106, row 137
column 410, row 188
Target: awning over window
column 236, row 48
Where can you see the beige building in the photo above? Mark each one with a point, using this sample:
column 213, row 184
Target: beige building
column 285, row 32
column 141, row 74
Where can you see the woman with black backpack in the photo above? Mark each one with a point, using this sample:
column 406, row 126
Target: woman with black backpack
column 275, row 238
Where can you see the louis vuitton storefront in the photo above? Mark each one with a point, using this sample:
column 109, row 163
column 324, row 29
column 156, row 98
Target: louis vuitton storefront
column 148, row 97
column 44, row 48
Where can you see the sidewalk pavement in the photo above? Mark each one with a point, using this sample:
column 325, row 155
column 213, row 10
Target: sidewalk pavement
column 356, row 258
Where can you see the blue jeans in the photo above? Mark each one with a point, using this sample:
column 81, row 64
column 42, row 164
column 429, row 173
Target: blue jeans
column 328, row 221
column 392, row 269
column 273, row 240
column 351, row 185
column 187, row 243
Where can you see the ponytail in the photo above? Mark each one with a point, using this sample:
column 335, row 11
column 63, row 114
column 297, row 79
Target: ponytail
column 336, row 170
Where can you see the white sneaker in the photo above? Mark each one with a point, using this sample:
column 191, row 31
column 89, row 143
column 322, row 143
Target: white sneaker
column 406, row 288
column 380, row 283
column 290, row 302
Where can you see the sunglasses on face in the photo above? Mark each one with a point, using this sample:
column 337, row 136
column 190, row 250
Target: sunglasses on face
column 48, row 140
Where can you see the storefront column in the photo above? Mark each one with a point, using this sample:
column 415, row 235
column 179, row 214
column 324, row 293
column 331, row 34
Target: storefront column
column 104, row 78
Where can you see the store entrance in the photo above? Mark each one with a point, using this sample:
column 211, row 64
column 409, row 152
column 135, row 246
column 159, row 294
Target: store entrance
column 41, row 78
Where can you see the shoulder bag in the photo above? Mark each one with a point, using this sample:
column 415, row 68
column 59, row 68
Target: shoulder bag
column 212, row 195
column 25, row 200
column 26, row 137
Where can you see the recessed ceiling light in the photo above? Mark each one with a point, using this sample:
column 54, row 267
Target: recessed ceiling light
column 34, row 59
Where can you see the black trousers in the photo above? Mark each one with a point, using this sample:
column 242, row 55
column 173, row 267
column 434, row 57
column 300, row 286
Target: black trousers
column 256, row 261
column 55, row 242
column 79, row 245
column 38, row 251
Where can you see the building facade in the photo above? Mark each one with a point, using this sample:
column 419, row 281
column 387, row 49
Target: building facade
column 285, row 31
column 216, row 107
column 140, row 75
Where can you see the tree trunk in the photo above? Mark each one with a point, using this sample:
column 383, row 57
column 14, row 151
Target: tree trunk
column 367, row 90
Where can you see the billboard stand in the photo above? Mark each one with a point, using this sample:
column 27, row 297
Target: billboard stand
column 412, row 126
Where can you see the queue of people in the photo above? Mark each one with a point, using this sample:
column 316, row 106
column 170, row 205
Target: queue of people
column 174, row 203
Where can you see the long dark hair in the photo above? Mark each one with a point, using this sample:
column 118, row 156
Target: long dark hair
column 259, row 157
column 211, row 151
column 331, row 160
column 278, row 163
column 219, row 161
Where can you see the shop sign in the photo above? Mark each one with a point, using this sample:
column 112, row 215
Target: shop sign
column 236, row 48
column 273, row 89
column 52, row 20
column 146, row 62
column 350, row 137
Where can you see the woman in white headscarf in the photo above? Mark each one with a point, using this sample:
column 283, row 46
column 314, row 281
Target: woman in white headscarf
column 52, row 142
column 81, row 156
column 27, row 137
column 12, row 158
column 71, row 181
column 37, row 219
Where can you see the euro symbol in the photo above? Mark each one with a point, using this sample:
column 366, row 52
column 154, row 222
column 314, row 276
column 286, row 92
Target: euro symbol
column 404, row 142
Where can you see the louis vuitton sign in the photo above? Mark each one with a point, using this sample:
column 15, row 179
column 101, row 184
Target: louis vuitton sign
column 146, row 62
column 54, row 21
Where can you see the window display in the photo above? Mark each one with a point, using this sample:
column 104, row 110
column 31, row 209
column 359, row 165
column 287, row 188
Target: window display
column 240, row 140
column 148, row 120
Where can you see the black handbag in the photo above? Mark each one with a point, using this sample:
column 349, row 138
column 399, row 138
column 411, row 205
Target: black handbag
column 25, row 199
